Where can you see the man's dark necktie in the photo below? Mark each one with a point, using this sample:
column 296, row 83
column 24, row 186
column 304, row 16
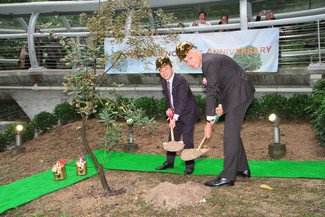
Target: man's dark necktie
column 169, row 94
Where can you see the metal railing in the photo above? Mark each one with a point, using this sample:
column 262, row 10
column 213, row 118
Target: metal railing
column 302, row 42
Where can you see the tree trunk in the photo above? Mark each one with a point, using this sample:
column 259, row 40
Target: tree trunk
column 98, row 166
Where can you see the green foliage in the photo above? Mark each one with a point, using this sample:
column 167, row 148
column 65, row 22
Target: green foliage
column 66, row 112
column 133, row 115
column 27, row 133
column 317, row 97
column 253, row 110
column 319, row 122
column 272, row 103
column 161, row 108
column 10, row 133
column 316, row 110
column 4, row 141
column 149, row 105
column 113, row 128
column 12, row 1
column 44, row 121
column 201, row 102
column 81, row 85
column 297, row 106
column 7, row 137
column 250, row 60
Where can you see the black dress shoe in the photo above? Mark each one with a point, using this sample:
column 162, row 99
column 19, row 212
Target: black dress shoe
column 188, row 171
column 165, row 166
column 219, row 181
column 244, row 174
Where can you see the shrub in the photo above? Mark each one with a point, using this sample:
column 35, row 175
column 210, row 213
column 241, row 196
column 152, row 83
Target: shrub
column 66, row 112
column 28, row 132
column 44, row 121
column 4, row 141
column 122, row 105
column 149, row 105
column 9, row 135
column 297, row 106
column 319, row 122
column 272, row 103
column 161, row 108
column 253, row 110
column 201, row 102
column 316, row 110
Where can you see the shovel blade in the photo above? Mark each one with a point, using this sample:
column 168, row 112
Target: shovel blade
column 173, row 146
column 191, row 154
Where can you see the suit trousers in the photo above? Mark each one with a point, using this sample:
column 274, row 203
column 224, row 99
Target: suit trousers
column 234, row 153
column 187, row 130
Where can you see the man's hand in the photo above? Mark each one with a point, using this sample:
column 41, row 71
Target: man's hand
column 219, row 110
column 170, row 113
column 261, row 13
column 172, row 123
column 195, row 23
column 208, row 130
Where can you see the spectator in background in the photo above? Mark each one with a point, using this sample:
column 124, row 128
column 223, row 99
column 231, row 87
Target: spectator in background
column 202, row 20
column 223, row 20
column 268, row 15
column 24, row 62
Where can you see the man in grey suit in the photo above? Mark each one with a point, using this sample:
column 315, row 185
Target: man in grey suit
column 183, row 107
column 228, row 80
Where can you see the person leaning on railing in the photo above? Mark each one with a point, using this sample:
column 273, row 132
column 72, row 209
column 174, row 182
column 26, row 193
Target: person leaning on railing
column 202, row 20
column 224, row 19
column 268, row 15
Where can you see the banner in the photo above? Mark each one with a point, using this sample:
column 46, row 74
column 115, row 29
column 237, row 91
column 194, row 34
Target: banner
column 254, row 50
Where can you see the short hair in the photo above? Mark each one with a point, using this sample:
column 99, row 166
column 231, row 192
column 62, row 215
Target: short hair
column 202, row 12
column 224, row 16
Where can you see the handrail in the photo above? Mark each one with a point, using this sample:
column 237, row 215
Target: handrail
column 191, row 29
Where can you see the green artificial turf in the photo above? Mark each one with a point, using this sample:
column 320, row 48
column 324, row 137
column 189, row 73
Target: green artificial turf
column 30, row 188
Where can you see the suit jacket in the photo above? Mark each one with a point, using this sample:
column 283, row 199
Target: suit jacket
column 185, row 104
column 226, row 78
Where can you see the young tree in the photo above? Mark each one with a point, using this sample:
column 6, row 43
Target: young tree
column 126, row 21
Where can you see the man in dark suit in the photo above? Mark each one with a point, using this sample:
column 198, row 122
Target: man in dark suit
column 183, row 108
column 228, row 80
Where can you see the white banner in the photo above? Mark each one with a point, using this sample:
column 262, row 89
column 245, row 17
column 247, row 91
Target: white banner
column 255, row 50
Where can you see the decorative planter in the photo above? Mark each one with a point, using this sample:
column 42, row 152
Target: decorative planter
column 81, row 166
column 81, row 169
column 59, row 170
column 60, row 174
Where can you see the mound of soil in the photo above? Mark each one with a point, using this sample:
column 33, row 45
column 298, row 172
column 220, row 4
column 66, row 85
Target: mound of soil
column 169, row 196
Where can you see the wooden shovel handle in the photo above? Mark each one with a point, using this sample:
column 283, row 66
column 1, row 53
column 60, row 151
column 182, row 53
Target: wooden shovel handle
column 201, row 142
column 217, row 118
column 172, row 133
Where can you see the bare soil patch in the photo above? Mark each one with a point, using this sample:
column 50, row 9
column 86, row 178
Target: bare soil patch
column 157, row 194
column 170, row 196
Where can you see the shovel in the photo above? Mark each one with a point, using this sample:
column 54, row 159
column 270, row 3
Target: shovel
column 173, row 146
column 191, row 154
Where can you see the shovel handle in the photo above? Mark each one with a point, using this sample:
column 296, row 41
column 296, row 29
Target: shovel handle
column 201, row 142
column 172, row 133
column 216, row 119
